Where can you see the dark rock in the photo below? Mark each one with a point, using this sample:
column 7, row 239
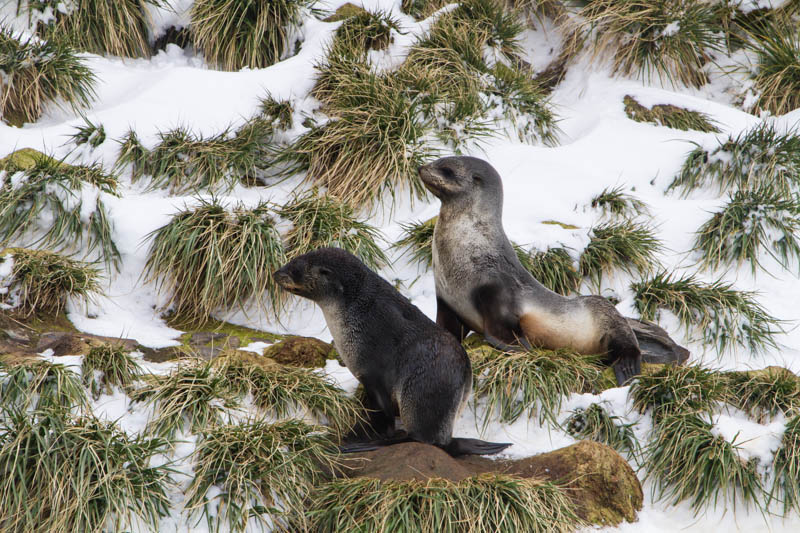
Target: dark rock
column 204, row 337
column 69, row 343
column 600, row 482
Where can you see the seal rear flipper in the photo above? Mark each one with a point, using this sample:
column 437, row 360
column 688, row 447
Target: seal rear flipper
column 458, row 447
column 627, row 368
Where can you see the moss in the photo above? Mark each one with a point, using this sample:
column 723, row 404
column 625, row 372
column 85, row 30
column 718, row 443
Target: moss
column 562, row 224
column 244, row 334
column 22, row 159
column 305, row 352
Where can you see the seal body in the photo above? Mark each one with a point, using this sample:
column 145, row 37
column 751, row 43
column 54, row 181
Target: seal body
column 406, row 363
column 482, row 286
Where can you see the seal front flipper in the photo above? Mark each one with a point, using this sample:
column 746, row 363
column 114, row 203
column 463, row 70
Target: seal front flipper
column 628, row 364
column 459, row 446
column 355, row 447
column 449, row 320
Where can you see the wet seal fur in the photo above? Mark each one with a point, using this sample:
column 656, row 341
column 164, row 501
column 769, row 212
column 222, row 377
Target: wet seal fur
column 405, row 362
column 482, row 286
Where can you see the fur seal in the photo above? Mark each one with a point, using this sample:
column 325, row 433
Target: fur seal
column 405, row 362
column 481, row 285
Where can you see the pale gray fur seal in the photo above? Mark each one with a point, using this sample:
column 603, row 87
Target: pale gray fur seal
column 405, row 362
column 482, row 286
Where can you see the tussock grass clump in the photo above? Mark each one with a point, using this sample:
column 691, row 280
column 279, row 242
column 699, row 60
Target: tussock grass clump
column 594, row 423
column 263, row 470
column 670, row 116
column 664, row 39
column 50, row 196
column 183, row 161
column 626, row 245
column 619, row 203
column 119, row 28
column 322, row 220
column 764, row 393
column 278, row 112
column 479, row 504
column 89, row 133
column 116, row 366
column 676, row 390
column 41, row 385
column 687, row 461
column 37, row 73
column 234, row 34
column 372, row 143
column 529, row 382
column 751, row 221
column 760, row 156
column 77, row 474
column 210, row 259
column 418, row 239
column 724, row 316
column 786, row 465
column 776, row 42
column 43, row 281
column 553, row 268
column 364, row 31
column 422, row 9
column 282, row 391
column 193, row 397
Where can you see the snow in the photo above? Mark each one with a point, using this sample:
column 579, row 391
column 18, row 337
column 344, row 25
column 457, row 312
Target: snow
column 599, row 147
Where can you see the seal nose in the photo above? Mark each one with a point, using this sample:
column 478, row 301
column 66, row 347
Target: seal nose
column 282, row 277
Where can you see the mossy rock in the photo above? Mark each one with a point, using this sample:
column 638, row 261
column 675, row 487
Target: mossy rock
column 345, row 11
column 602, row 485
column 305, row 352
column 24, row 159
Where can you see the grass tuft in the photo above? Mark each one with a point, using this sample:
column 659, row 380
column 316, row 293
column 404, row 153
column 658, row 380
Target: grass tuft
column 484, row 503
column 77, row 474
column 786, row 465
column 763, row 394
column 553, row 268
column 193, row 397
column 41, row 385
column 594, row 423
column 724, row 317
column 278, row 112
column 61, row 201
column 260, row 472
column 363, row 31
column 282, row 391
column 678, row 390
column 119, row 28
column 760, row 156
column 626, row 245
column 688, row 461
column 183, row 161
column 776, row 42
column 209, row 259
column 418, row 239
column 116, row 366
column 421, row 9
column 529, row 382
column 663, row 39
column 751, row 221
column 670, row 116
column 42, row 281
column 90, row 133
column 37, row 73
column 619, row 203
column 322, row 220
column 234, row 34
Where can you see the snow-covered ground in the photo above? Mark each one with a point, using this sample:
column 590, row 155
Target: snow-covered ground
column 599, row 147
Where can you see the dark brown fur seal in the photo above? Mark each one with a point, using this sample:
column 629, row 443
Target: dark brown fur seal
column 481, row 285
column 405, row 362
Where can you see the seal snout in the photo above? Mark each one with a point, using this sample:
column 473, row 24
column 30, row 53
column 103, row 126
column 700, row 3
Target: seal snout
column 284, row 279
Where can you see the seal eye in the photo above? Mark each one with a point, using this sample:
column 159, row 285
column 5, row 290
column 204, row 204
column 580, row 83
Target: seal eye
column 448, row 173
column 477, row 178
column 324, row 271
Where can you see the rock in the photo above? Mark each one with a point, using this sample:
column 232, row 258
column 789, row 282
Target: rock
column 22, row 159
column 600, row 482
column 68, row 343
column 305, row 352
column 209, row 344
